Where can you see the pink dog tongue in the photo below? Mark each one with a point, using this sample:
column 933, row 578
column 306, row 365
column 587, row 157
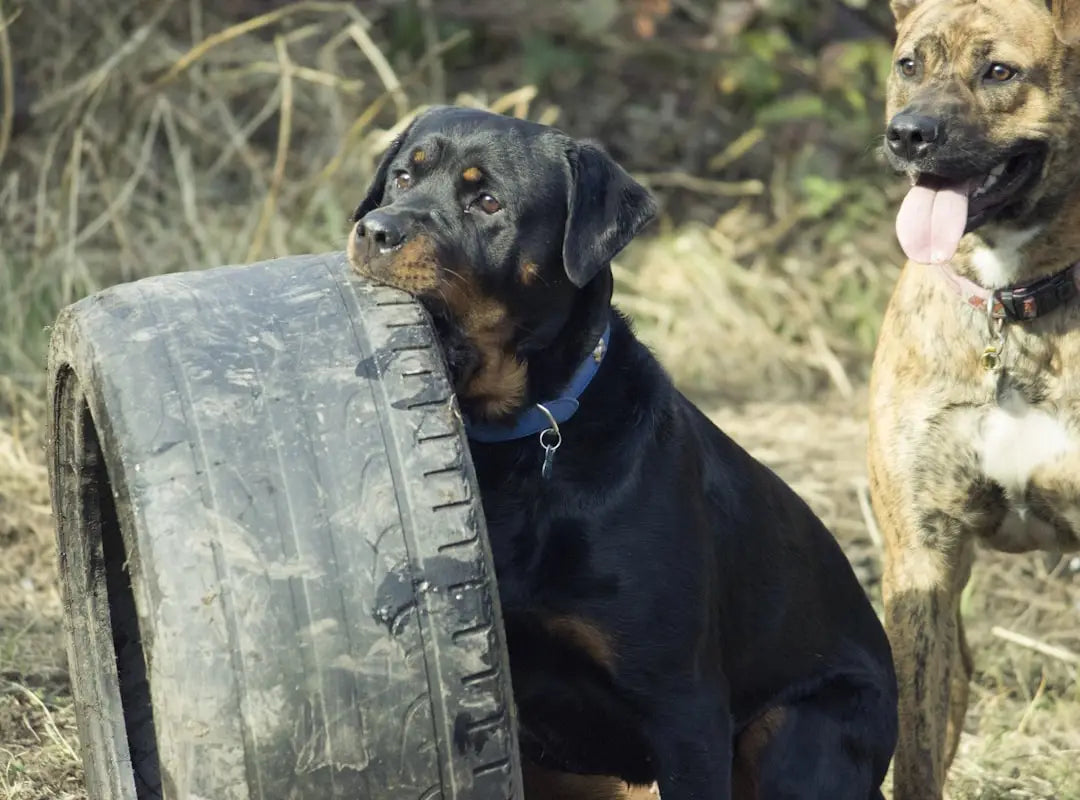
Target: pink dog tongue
column 931, row 222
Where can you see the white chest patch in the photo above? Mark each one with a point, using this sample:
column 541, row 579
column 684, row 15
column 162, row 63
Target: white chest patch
column 1000, row 265
column 1016, row 439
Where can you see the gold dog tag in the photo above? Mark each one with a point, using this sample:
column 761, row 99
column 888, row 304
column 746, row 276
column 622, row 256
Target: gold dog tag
column 990, row 359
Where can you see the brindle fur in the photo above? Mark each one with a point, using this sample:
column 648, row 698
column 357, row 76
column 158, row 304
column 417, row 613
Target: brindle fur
column 929, row 395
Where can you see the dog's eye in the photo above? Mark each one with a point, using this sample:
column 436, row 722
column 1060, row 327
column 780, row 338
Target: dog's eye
column 907, row 67
column 999, row 73
column 488, row 204
column 403, row 180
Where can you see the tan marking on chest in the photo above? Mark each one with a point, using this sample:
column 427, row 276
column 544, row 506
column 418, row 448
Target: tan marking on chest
column 584, row 635
column 529, row 272
column 498, row 386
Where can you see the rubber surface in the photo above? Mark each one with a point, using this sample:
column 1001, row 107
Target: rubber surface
column 269, row 527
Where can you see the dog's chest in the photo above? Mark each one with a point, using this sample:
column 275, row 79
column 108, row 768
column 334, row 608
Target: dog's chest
column 1016, row 440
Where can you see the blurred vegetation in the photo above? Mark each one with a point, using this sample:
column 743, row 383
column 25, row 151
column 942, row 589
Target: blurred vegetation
column 158, row 136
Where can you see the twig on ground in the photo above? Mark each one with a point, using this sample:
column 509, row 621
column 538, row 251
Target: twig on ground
column 50, row 723
column 1052, row 651
column 830, row 363
column 1022, row 725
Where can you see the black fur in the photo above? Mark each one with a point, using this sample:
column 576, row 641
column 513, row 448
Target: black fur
column 717, row 590
column 607, row 208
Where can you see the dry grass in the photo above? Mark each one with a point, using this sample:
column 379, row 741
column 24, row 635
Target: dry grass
column 732, row 317
column 168, row 136
column 38, row 741
column 37, row 759
column 1023, row 725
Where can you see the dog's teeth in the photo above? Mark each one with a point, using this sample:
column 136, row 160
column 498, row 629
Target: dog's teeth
column 986, row 185
column 996, row 171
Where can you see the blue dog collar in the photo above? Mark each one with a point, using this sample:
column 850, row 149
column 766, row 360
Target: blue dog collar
column 544, row 417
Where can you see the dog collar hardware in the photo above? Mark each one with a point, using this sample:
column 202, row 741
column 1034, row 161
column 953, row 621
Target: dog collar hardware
column 550, row 439
column 1013, row 304
column 1018, row 303
column 990, row 360
column 544, row 418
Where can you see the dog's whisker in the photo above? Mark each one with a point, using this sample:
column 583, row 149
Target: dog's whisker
column 456, row 275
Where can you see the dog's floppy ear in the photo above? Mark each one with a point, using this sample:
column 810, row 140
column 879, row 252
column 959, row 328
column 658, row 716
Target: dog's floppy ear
column 378, row 183
column 901, row 8
column 606, row 208
column 1066, row 20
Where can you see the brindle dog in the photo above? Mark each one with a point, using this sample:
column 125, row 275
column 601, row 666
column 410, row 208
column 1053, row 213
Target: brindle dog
column 975, row 393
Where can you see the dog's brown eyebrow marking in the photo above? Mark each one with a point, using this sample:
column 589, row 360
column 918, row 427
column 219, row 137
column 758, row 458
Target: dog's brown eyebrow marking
column 419, row 155
column 473, row 174
column 932, row 44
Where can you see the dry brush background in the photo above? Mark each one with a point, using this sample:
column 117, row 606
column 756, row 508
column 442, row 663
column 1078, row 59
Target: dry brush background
column 147, row 136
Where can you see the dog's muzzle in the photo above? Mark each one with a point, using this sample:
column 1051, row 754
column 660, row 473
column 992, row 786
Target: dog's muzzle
column 387, row 246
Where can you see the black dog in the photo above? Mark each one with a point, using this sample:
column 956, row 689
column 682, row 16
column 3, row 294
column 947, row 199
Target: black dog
column 674, row 611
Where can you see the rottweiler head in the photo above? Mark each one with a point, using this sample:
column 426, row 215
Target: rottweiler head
column 505, row 230
column 984, row 116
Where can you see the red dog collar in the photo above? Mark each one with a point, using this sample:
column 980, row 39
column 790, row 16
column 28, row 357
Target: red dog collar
column 1018, row 303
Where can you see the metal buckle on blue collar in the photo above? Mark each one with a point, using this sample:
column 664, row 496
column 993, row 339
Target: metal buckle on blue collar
column 544, row 418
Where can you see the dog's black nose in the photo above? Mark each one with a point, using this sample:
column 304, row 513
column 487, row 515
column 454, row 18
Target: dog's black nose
column 381, row 229
column 913, row 136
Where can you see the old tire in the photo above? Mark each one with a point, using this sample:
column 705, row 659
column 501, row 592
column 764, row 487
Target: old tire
column 274, row 564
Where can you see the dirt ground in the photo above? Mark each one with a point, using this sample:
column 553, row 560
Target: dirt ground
column 1021, row 729
column 38, row 741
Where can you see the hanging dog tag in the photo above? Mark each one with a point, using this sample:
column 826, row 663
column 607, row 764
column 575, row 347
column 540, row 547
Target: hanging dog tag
column 549, row 449
column 991, row 356
column 990, row 359
column 549, row 459
column 550, row 439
